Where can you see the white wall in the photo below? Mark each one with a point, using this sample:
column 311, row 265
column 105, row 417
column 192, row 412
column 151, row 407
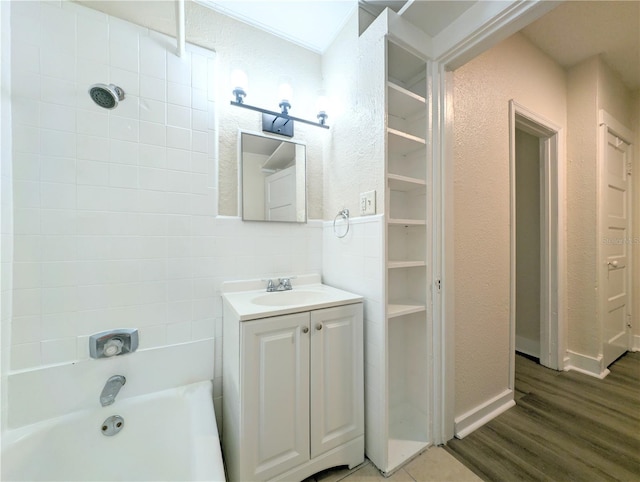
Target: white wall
column 115, row 211
column 513, row 69
column 582, row 336
column 527, row 243
column 354, row 159
column 6, row 206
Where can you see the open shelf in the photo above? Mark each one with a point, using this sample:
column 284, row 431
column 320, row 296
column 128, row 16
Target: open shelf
column 408, row 392
column 406, row 70
column 408, row 222
column 402, row 143
column 405, row 264
column 398, row 182
column 410, row 205
column 404, row 307
column 404, row 103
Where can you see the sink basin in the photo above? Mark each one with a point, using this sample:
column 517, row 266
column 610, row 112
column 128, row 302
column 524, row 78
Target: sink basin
column 290, row 298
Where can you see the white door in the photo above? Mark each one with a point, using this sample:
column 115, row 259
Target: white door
column 280, row 195
column 275, row 408
column 337, row 391
column 615, row 213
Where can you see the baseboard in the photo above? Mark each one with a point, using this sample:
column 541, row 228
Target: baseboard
column 635, row 343
column 478, row 416
column 593, row 367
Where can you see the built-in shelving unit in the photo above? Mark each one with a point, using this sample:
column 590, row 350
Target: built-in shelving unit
column 406, row 247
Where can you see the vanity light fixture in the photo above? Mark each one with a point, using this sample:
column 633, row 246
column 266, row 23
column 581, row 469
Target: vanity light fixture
column 274, row 122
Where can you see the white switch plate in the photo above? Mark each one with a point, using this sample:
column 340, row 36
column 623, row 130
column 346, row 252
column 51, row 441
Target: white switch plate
column 367, row 203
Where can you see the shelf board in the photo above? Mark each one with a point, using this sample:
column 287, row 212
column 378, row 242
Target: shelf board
column 404, row 183
column 407, row 222
column 284, row 155
column 401, row 143
column 401, row 308
column 405, row 264
column 404, row 103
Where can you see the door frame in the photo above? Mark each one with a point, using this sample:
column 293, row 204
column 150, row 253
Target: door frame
column 552, row 236
column 609, row 124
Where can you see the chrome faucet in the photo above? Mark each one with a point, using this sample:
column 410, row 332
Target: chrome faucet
column 111, row 389
column 284, row 284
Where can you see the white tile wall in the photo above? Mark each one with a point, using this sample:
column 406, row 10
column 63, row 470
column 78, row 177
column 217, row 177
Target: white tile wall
column 115, row 210
column 356, row 263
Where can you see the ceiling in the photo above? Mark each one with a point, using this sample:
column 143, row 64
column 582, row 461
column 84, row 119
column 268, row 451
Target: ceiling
column 570, row 33
column 313, row 24
column 577, row 30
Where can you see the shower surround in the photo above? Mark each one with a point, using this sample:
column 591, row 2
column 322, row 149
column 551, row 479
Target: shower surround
column 115, row 211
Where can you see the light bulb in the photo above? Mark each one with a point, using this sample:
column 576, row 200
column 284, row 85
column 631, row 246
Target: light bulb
column 285, row 93
column 322, row 106
column 239, row 82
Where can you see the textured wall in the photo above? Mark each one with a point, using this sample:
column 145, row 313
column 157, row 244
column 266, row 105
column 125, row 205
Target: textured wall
column 514, row 69
column 354, row 162
column 582, row 333
column 591, row 86
column 617, row 100
column 635, row 109
column 527, row 243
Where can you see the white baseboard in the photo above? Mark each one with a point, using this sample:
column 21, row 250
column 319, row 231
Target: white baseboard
column 478, row 416
column 635, row 343
column 585, row 364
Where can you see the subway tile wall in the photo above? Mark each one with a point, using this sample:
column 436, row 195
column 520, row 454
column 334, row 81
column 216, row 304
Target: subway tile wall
column 356, row 263
column 115, row 211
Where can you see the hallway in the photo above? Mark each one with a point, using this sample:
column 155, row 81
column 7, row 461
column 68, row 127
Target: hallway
column 565, row 426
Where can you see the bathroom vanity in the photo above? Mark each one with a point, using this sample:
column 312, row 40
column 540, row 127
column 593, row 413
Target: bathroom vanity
column 293, row 392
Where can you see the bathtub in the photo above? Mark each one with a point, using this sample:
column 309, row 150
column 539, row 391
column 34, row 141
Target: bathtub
column 167, row 435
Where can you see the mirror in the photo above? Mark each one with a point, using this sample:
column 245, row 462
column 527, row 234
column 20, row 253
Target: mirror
column 272, row 175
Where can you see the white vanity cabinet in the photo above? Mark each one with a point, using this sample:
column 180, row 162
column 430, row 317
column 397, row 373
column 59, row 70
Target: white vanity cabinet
column 293, row 395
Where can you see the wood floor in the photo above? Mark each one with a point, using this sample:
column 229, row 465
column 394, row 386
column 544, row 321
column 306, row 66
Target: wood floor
column 565, row 426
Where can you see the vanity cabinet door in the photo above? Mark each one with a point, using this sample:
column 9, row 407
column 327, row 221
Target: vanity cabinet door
column 275, row 400
column 337, row 388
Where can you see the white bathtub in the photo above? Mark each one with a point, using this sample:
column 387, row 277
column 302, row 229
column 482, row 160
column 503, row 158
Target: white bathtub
column 167, row 435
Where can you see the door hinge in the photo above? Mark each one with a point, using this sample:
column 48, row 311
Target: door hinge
column 438, row 285
column 629, row 320
column 629, row 168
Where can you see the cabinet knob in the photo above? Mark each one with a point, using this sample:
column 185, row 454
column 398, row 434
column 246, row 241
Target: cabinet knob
column 319, row 326
column 305, row 329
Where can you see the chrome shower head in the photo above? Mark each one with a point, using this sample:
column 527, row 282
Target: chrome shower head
column 106, row 96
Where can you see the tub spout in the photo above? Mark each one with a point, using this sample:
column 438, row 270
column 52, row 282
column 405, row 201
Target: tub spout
column 111, row 389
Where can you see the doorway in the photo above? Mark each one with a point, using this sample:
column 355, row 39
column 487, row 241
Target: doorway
column 528, row 193
column 537, row 242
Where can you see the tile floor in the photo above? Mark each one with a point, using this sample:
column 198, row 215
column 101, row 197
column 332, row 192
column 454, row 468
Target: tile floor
column 434, row 465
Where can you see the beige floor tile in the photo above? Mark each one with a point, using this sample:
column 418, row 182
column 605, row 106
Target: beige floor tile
column 369, row 473
column 337, row 473
column 437, row 465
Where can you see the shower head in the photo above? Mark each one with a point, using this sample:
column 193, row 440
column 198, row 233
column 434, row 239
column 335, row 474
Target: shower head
column 106, row 96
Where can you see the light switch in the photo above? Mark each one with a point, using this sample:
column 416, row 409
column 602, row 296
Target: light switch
column 367, row 203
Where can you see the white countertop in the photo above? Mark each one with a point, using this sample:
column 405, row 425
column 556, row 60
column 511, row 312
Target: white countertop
column 307, row 294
